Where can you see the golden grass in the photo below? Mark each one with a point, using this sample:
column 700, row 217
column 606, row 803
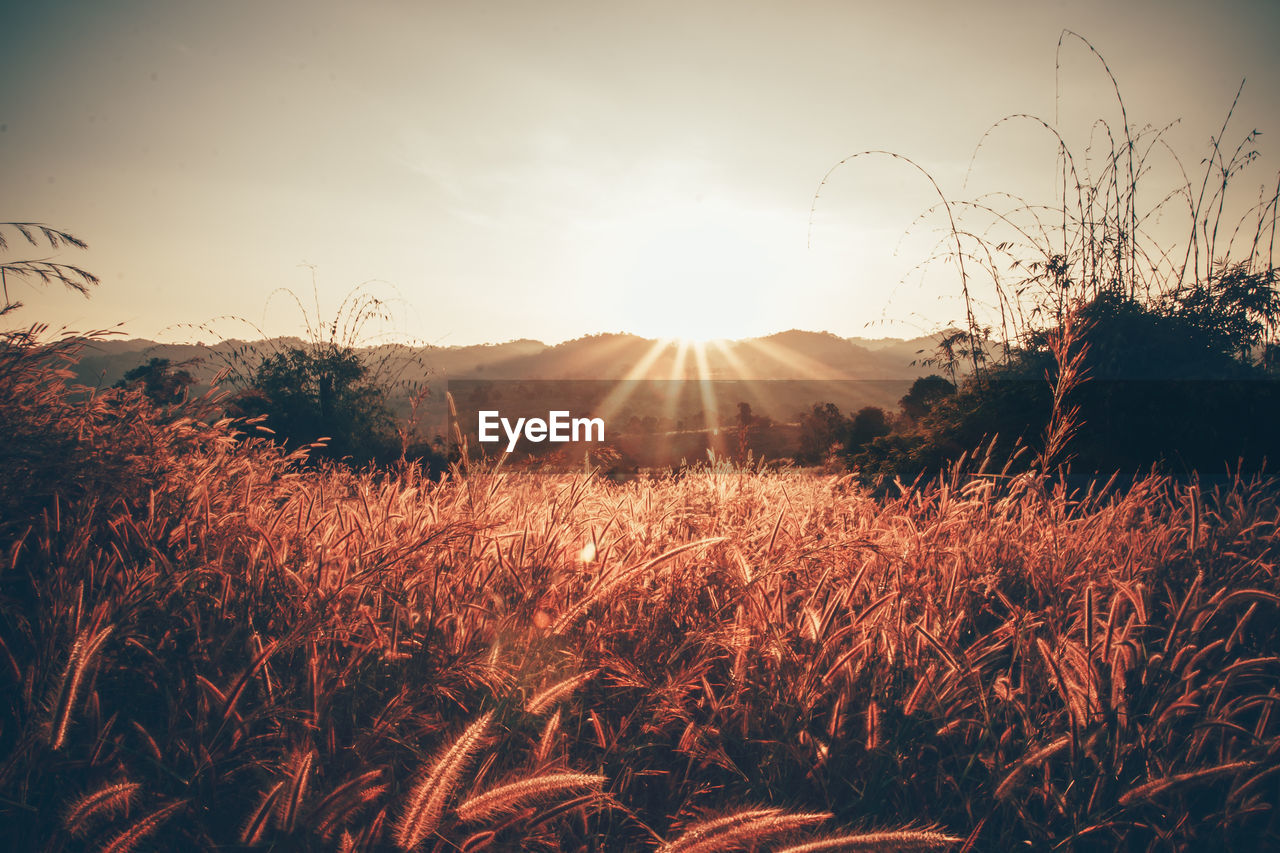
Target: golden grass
column 882, row 842
column 224, row 648
column 507, row 798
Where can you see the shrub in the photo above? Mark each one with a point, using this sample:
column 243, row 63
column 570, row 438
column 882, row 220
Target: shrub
column 322, row 391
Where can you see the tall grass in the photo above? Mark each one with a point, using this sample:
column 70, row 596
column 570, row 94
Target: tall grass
column 362, row 321
column 1132, row 239
column 209, row 645
column 43, row 270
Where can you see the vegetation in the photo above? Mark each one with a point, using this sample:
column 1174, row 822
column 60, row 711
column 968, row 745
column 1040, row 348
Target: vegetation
column 40, row 269
column 1162, row 387
column 1092, row 339
column 826, row 433
column 322, row 392
column 210, row 645
column 159, row 380
column 339, row 390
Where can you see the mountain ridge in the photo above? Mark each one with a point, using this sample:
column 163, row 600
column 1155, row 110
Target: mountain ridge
column 790, row 354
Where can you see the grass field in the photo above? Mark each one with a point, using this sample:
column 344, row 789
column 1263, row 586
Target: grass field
column 207, row 646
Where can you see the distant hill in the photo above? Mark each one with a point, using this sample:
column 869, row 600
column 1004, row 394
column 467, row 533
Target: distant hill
column 799, row 367
column 793, row 354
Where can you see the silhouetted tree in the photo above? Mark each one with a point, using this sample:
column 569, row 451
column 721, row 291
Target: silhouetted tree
column 821, row 429
column 1233, row 311
column 745, row 421
column 1182, row 383
column 869, row 423
column 322, row 391
column 924, row 393
column 157, row 379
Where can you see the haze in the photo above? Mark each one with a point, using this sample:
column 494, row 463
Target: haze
column 549, row 170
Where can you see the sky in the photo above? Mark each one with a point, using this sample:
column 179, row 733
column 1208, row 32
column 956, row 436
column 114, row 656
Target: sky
column 499, row 170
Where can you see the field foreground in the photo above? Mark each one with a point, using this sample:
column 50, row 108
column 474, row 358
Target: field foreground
column 210, row 646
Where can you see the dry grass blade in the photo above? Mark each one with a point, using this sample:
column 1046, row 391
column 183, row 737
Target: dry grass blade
column 605, row 586
column 233, row 698
column 550, row 733
column 130, row 838
column 740, row 829
column 903, row 840
column 78, row 663
column 1156, row 787
column 300, row 772
column 343, row 800
column 938, row 647
column 425, row 806
column 256, row 824
column 106, row 802
column 1032, row 760
column 549, row 696
column 508, row 798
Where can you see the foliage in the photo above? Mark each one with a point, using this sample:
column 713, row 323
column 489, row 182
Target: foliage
column 210, row 646
column 342, row 385
column 1093, row 337
column 163, row 385
column 821, row 429
column 310, row 393
column 1236, row 312
column 867, row 424
column 58, row 447
column 825, row 432
column 46, row 271
column 923, row 394
column 1169, row 385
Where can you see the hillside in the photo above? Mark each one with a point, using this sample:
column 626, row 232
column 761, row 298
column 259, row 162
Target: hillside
column 792, row 354
column 779, row 375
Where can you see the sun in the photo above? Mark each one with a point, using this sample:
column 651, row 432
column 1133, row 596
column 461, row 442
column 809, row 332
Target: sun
column 698, row 278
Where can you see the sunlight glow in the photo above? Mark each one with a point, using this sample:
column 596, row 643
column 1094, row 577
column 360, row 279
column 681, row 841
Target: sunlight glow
column 803, row 365
column 680, row 360
column 698, row 275
column 618, row 397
